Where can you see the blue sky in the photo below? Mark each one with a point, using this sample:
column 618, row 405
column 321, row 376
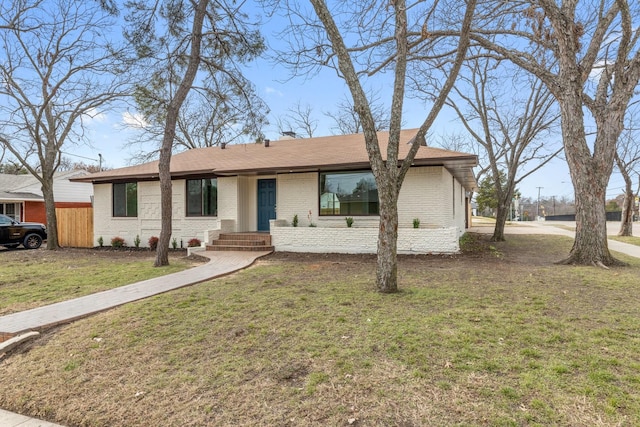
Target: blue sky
column 322, row 92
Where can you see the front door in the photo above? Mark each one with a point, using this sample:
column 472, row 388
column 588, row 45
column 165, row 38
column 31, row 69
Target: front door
column 266, row 203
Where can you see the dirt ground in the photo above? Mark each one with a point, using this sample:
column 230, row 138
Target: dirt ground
column 70, row 253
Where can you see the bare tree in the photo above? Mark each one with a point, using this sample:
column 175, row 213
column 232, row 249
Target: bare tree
column 627, row 159
column 508, row 122
column 385, row 36
column 299, row 120
column 347, row 121
column 587, row 53
column 59, row 67
column 210, row 37
column 66, row 164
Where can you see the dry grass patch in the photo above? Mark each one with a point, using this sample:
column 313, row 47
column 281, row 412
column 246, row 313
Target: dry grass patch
column 496, row 336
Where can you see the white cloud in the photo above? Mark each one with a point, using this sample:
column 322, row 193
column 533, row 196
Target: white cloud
column 270, row 91
column 94, row 115
column 134, row 120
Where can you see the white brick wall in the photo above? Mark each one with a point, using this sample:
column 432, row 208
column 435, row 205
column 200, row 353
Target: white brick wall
column 297, row 194
column 361, row 240
column 422, row 197
column 147, row 223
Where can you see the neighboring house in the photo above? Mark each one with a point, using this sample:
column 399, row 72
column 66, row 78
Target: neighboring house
column 261, row 187
column 21, row 195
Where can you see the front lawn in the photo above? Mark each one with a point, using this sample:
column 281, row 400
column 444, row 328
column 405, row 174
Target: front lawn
column 33, row 278
column 498, row 336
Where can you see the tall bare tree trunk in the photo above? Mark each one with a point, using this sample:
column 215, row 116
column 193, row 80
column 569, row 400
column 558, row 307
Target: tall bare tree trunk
column 590, row 245
column 590, row 175
column 50, row 211
column 164, row 171
column 626, row 222
column 501, row 218
column 387, row 265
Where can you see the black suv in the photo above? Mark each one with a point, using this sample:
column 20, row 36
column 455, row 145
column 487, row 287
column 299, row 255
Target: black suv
column 14, row 233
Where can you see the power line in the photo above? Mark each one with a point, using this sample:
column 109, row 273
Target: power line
column 82, row 157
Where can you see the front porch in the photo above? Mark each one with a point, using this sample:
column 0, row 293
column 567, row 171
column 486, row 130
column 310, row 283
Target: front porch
column 258, row 241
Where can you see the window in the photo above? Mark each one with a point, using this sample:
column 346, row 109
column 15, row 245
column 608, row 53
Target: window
column 9, row 209
column 125, row 199
column 348, row 193
column 202, row 197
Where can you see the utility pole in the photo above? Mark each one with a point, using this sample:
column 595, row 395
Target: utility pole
column 538, row 203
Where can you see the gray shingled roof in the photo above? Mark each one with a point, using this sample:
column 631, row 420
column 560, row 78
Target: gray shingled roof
column 10, row 186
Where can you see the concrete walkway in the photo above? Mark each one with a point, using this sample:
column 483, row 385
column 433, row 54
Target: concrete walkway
column 9, row 419
column 559, row 228
column 220, row 264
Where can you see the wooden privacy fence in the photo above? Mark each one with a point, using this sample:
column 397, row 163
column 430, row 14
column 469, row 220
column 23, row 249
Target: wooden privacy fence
column 75, row 227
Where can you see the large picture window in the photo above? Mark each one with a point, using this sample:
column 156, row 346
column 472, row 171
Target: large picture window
column 202, row 197
column 125, row 199
column 348, row 193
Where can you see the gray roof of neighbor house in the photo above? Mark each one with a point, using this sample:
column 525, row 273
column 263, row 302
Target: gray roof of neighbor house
column 10, row 186
column 27, row 187
column 16, row 196
column 341, row 152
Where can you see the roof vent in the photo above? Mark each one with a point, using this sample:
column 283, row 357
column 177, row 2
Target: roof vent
column 223, row 145
column 266, row 142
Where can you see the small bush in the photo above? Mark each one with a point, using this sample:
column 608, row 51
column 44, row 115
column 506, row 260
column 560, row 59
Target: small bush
column 295, row 220
column 349, row 221
column 117, row 242
column 416, row 222
column 136, row 241
column 153, row 243
column 100, row 241
column 193, row 243
column 174, row 243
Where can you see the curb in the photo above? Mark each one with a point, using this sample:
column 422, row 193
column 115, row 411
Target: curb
column 11, row 343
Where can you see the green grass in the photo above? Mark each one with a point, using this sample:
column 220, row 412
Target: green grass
column 470, row 340
column 29, row 280
column 632, row 240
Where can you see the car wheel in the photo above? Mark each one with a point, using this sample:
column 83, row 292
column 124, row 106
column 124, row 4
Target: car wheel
column 32, row 241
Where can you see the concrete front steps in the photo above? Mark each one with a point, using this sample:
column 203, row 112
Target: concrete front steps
column 241, row 242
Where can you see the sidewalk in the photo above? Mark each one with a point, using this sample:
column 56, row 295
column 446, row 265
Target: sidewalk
column 556, row 228
column 220, row 264
column 9, row 419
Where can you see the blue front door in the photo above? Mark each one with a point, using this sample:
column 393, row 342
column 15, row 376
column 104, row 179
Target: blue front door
column 266, row 203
